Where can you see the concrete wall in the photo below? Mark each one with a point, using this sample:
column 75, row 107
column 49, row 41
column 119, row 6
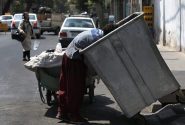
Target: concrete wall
column 172, row 23
column 183, row 25
column 169, row 19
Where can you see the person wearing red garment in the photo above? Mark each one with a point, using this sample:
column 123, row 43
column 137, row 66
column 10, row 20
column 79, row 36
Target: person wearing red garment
column 73, row 75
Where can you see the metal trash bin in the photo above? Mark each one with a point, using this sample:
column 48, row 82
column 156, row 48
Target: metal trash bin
column 129, row 63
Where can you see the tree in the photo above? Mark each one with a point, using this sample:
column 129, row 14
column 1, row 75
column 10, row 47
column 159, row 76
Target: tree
column 18, row 6
column 60, row 6
column 28, row 5
column 7, row 6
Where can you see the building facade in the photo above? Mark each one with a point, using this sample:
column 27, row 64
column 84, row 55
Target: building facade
column 123, row 8
column 169, row 20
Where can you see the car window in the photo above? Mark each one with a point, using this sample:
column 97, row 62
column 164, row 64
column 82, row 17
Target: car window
column 32, row 17
column 6, row 17
column 85, row 23
column 17, row 17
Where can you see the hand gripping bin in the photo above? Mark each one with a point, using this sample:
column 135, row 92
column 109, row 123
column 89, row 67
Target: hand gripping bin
column 130, row 65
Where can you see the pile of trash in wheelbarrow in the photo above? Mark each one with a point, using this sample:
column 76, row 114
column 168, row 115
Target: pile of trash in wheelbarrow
column 129, row 63
column 46, row 67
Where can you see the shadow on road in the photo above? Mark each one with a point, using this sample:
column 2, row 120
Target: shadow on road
column 51, row 112
column 100, row 112
column 103, row 112
column 42, row 37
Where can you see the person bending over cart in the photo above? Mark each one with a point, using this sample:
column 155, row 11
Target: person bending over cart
column 73, row 75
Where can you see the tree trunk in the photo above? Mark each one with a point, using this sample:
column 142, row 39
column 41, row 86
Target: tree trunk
column 7, row 6
column 28, row 5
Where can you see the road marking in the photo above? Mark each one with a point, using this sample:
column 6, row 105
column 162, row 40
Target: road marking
column 36, row 44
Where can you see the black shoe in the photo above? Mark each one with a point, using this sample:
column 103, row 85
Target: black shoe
column 24, row 59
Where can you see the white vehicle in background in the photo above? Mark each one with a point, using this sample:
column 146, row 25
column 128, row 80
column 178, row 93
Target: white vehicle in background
column 0, row 18
column 7, row 19
column 72, row 26
column 50, row 21
column 17, row 18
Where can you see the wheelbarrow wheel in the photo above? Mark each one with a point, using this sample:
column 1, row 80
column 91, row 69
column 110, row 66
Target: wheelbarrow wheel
column 41, row 91
column 48, row 97
column 181, row 97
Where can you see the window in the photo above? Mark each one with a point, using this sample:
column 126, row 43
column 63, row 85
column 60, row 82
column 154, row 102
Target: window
column 6, row 17
column 18, row 17
column 32, row 17
column 85, row 23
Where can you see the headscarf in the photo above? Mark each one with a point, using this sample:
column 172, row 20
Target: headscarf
column 83, row 40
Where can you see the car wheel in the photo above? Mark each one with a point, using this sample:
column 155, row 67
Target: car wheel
column 41, row 32
column 38, row 36
column 13, row 36
column 57, row 31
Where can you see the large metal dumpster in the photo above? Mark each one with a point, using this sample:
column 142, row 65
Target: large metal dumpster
column 130, row 65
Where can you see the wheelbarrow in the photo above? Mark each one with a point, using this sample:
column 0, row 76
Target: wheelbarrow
column 48, row 82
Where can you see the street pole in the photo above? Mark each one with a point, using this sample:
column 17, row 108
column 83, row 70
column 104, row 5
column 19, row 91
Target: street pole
column 180, row 46
column 141, row 6
column 131, row 6
column 164, row 25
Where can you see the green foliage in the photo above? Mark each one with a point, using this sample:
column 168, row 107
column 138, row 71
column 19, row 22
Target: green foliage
column 18, row 6
column 60, row 6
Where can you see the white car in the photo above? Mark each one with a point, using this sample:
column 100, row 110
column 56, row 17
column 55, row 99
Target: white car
column 72, row 26
column 7, row 19
column 17, row 18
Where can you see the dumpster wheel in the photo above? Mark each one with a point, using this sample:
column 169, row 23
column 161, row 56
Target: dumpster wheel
column 180, row 97
column 139, row 119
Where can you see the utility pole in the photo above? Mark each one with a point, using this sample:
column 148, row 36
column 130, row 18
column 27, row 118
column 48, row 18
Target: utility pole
column 141, row 5
column 164, row 23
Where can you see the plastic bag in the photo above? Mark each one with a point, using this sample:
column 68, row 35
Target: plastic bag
column 58, row 48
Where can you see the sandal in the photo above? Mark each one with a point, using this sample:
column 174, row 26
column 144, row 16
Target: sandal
column 58, row 116
column 62, row 117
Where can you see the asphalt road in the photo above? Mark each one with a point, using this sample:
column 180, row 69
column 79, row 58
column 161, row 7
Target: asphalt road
column 20, row 103
column 19, row 98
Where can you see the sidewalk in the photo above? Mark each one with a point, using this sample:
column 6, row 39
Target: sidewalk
column 176, row 62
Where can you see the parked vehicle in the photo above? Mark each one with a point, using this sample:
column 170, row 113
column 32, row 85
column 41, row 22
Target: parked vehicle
column 72, row 26
column 50, row 22
column 7, row 19
column 33, row 20
column 0, row 18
